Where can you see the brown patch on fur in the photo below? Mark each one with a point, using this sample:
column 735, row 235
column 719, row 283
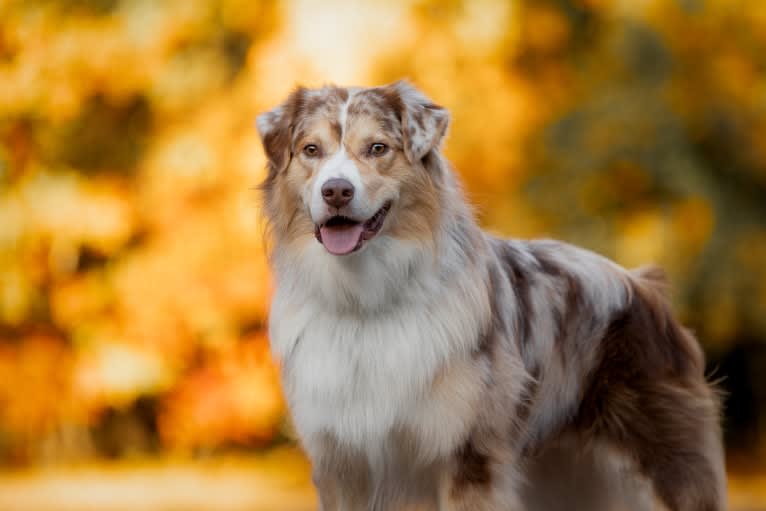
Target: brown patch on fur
column 418, row 118
column 390, row 125
column 393, row 100
column 419, row 206
column 369, row 103
column 417, row 216
column 572, row 314
column 323, row 101
column 288, row 219
column 340, row 470
column 276, row 142
column 336, row 128
column 277, row 198
column 497, row 328
column 374, row 99
column 312, row 104
column 521, row 287
column 648, row 397
column 357, row 109
column 375, row 104
column 318, row 107
column 342, row 94
column 524, row 406
column 473, row 469
column 322, row 131
column 412, row 111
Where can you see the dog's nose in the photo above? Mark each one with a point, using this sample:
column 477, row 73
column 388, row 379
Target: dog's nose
column 337, row 192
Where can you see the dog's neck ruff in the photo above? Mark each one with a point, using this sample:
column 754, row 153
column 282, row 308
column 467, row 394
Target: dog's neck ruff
column 361, row 338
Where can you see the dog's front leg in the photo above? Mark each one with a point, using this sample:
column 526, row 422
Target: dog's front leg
column 340, row 493
column 342, row 488
column 327, row 499
column 328, row 491
column 340, row 474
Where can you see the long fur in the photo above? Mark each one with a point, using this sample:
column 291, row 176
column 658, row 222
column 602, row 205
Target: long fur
column 441, row 368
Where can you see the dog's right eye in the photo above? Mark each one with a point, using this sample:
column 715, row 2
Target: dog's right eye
column 311, row 150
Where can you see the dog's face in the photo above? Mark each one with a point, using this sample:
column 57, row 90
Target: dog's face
column 349, row 165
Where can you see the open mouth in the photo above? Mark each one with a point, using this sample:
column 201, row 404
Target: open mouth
column 342, row 235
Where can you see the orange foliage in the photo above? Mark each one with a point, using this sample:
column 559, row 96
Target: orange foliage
column 233, row 397
column 130, row 234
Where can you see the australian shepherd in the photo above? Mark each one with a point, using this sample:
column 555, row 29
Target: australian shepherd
column 430, row 365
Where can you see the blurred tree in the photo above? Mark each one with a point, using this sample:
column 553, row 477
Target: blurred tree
column 652, row 149
column 128, row 249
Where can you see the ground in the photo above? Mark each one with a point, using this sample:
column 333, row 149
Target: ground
column 277, row 481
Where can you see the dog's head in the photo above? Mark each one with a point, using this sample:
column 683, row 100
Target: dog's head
column 349, row 165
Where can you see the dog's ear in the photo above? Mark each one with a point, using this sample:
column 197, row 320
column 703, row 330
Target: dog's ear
column 424, row 124
column 275, row 128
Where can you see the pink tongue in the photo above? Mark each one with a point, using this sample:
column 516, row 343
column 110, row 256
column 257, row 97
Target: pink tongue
column 341, row 240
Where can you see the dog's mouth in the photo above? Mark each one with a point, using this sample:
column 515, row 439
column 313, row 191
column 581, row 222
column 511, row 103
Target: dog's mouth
column 342, row 235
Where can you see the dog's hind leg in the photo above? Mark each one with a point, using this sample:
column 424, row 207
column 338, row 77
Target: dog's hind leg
column 670, row 431
column 648, row 398
column 568, row 475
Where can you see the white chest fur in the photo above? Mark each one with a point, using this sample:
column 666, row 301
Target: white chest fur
column 359, row 376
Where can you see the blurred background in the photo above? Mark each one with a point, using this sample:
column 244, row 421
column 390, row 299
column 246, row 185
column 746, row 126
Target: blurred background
column 134, row 365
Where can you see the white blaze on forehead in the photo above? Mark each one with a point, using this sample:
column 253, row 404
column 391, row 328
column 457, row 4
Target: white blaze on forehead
column 343, row 118
column 343, row 111
column 339, row 166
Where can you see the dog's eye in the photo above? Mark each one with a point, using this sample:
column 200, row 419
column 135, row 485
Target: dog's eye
column 377, row 149
column 311, row 150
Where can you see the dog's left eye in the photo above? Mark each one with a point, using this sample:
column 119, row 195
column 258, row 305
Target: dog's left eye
column 311, row 150
column 377, row 149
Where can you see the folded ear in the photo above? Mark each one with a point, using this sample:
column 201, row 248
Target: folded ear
column 275, row 128
column 424, row 124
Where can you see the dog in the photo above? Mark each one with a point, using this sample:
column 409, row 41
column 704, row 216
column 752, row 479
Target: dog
column 429, row 365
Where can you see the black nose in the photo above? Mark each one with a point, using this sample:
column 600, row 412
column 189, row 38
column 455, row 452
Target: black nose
column 337, row 192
